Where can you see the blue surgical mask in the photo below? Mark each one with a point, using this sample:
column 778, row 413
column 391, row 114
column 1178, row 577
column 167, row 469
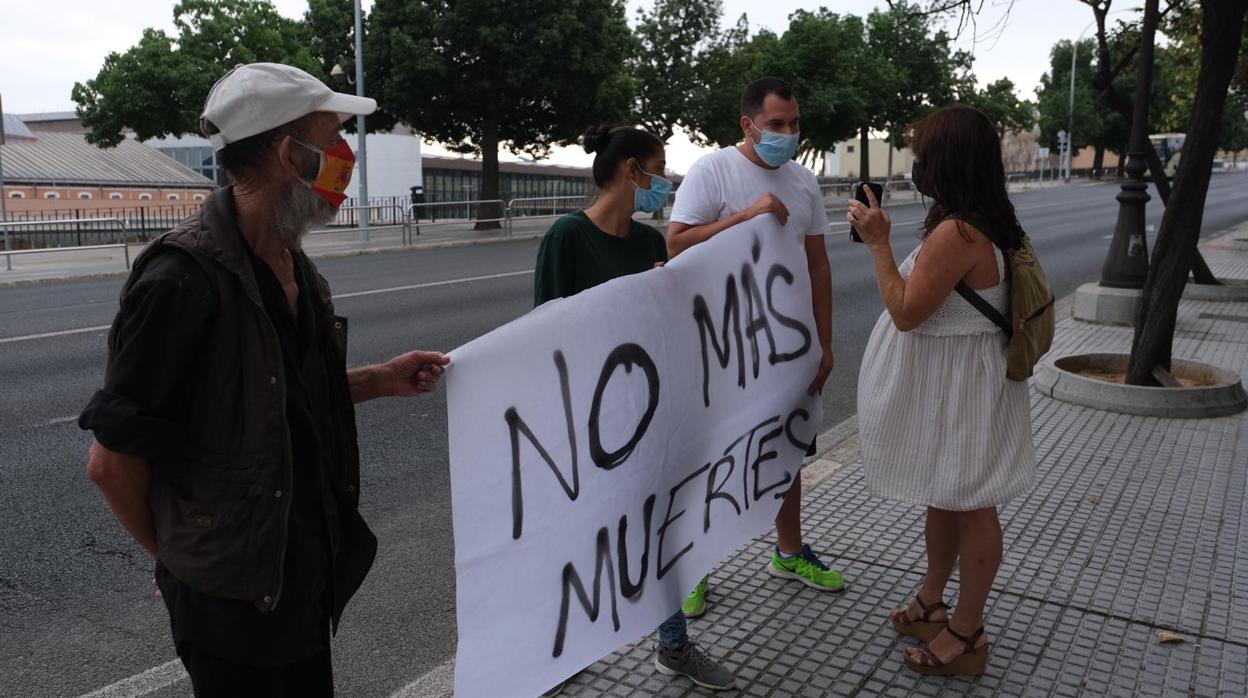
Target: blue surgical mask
column 652, row 199
column 775, row 149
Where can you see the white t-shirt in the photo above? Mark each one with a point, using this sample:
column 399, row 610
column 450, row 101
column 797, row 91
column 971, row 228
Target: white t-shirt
column 726, row 181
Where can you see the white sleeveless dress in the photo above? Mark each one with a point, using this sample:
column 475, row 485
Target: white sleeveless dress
column 939, row 423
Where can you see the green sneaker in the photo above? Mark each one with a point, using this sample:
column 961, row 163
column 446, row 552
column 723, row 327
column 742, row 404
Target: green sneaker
column 806, row 568
column 695, row 605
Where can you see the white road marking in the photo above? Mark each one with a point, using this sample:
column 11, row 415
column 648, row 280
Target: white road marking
column 357, row 294
column 61, row 333
column 61, row 420
column 143, row 684
column 438, row 683
column 432, row 284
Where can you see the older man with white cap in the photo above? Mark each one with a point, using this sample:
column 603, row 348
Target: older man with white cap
column 225, row 438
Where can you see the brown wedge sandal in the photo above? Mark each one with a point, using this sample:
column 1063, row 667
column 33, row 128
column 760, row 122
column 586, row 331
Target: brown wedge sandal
column 971, row 662
column 924, row 628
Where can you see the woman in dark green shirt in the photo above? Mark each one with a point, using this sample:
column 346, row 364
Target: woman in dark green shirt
column 603, row 242
column 586, row 248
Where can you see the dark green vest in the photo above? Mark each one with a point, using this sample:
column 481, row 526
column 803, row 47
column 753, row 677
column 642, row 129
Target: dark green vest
column 222, row 505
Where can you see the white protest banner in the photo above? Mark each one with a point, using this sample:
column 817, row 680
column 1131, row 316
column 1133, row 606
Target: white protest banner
column 608, row 449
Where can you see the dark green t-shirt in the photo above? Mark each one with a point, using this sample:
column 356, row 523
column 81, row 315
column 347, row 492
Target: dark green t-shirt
column 576, row 255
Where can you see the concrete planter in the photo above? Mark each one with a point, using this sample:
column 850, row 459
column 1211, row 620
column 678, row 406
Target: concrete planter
column 1059, row 379
column 1230, row 290
column 1107, row 306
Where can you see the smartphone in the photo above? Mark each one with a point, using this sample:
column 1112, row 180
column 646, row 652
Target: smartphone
column 860, row 194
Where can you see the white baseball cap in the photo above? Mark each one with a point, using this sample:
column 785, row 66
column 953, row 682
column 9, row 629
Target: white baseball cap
column 256, row 97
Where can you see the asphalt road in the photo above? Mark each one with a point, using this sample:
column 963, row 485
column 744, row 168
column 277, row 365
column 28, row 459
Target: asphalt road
column 76, row 606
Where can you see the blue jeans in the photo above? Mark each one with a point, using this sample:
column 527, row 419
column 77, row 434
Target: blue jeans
column 673, row 633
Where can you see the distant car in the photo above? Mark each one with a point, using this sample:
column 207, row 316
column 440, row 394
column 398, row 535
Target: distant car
column 1169, row 147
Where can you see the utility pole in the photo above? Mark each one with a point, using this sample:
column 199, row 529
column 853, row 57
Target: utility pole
column 359, row 121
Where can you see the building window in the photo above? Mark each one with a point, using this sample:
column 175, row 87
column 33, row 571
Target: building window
column 849, row 149
column 51, row 195
column 84, row 195
column 145, row 197
column 17, row 195
column 115, row 195
column 173, row 197
column 199, row 197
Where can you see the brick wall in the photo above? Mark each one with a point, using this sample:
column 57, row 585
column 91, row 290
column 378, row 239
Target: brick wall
column 18, row 197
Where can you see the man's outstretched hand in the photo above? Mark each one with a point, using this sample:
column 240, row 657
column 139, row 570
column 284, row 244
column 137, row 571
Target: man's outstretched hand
column 406, row 375
column 413, row 373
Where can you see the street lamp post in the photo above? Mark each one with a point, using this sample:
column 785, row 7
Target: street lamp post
column 359, row 122
column 1070, row 116
column 1126, row 265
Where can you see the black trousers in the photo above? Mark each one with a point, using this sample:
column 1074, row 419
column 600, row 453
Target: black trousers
column 214, row 677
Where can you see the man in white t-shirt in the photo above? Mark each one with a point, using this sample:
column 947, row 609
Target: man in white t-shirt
column 755, row 178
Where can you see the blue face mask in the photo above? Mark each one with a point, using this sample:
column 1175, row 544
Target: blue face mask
column 775, row 149
column 652, row 199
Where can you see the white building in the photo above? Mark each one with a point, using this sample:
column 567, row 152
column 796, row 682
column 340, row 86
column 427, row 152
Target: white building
column 843, row 161
column 393, row 161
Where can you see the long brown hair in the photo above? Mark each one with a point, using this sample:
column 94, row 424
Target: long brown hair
column 958, row 154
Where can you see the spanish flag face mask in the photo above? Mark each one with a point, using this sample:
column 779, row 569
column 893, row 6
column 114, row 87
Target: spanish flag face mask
column 337, row 165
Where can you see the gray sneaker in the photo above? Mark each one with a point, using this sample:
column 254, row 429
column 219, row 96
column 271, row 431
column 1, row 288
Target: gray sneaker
column 699, row 666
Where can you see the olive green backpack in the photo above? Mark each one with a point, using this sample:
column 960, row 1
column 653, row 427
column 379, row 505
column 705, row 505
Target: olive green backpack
column 1031, row 308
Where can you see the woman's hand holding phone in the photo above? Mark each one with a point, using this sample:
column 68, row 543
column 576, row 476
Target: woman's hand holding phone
column 872, row 224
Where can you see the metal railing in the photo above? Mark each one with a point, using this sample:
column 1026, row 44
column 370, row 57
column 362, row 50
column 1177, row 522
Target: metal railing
column 8, row 251
column 541, row 207
column 143, row 222
column 471, row 210
column 349, row 220
column 377, row 214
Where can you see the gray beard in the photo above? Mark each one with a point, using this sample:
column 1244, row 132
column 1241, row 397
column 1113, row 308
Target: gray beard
column 299, row 211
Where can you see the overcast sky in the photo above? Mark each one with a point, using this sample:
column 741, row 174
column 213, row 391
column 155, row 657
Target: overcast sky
column 47, row 46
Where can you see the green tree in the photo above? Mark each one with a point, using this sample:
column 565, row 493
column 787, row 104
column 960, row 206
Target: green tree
column 1182, row 66
column 1001, row 104
column 1093, row 124
column 478, row 75
column 913, row 69
column 822, row 55
column 331, row 34
column 730, row 62
column 1235, row 124
column 851, row 76
column 671, row 39
column 158, row 86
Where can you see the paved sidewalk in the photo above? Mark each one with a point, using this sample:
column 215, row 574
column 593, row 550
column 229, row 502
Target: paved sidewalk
column 1135, row 525
column 64, row 264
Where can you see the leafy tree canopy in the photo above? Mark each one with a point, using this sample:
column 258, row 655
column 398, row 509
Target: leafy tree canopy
column 158, row 87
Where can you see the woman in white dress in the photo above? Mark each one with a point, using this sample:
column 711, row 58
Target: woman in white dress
column 940, row 424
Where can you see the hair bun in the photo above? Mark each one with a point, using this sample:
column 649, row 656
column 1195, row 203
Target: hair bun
column 595, row 138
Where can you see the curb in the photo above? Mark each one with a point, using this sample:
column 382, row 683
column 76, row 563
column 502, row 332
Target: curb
column 1059, row 378
column 836, row 448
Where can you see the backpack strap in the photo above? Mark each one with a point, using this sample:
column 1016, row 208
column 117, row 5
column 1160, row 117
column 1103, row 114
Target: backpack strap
column 985, row 308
